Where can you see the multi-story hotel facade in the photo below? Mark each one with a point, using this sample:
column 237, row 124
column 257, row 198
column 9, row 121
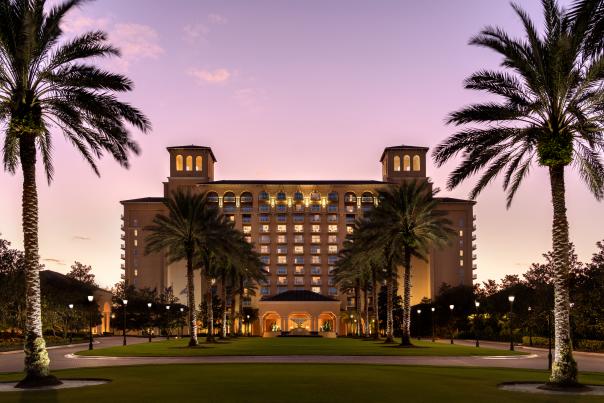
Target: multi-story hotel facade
column 298, row 227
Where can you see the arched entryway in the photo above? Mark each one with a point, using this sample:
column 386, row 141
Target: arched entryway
column 271, row 324
column 327, row 323
column 300, row 323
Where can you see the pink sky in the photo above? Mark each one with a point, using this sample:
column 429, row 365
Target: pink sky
column 290, row 90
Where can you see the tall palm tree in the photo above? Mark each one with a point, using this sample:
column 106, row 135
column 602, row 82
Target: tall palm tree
column 45, row 83
column 549, row 112
column 179, row 234
column 407, row 223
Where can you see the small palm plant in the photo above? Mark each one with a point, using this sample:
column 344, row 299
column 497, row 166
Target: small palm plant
column 549, row 113
column 47, row 82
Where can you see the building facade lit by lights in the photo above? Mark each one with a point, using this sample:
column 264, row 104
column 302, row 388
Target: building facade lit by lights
column 298, row 227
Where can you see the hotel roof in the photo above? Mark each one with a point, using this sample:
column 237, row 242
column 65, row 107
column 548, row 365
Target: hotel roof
column 298, row 295
column 293, row 182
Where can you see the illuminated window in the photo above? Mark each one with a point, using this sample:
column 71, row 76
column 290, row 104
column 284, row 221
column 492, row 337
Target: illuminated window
column 333, row 249
column 231, row 218
column 281, row 259
column 315, row 259
column 179, row 162
column 317, row 290
column 332, row 218
column 461, row 252
column 189, row 164
column 135, row 232
column 316, row 239
column 349, row 229
column 248, row 239
column 281, row 239
column 299, row 270
column 316, row 280
column 316, row 228
column 350, row 209
column 332, row 228
column 461, row 262
column 198, row 163
column 247, row 229
column 406, row 163
column 332, row 239
column 281, row 228
column 416, row 163
column 315, row 196
column 264, row 249
column 265, row 228
column 282, row 280
column 299, row 207
column 315, row 218
column 136, row 242
column 460, row 232
column 298, row 228
column 397, row 163
column 135, row 272
column 298, row 249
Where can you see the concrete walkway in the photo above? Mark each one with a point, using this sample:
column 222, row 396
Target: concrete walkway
column 64, row 357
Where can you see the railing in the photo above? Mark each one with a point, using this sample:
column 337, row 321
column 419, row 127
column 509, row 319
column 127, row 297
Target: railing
column 474, row 266
column 299, row 272
column 473, row 237
column 367, row 199
column 316, row 282
column 332, row 218
column 123, row 276
column 247, row 209
column 246, row 199
column 474, row 276
column 229, row 199
column 123, row 257
column 122, row 217
column 474, row 256
column 122, row 227
column 473, row 227
column 213, row 199
column 315, row 272
column 282, row 282
column 474, row 217
column 123, row 246
column 350, row 220
column 350, row 199
column 474, row 247
column 123, row 266
column 230, row 209
column 123, row 237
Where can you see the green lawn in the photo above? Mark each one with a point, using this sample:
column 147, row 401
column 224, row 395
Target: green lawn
column 284, row 383
column 291, row 346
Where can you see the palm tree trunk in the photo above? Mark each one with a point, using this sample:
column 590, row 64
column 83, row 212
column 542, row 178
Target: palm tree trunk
column 366, row 307
column 37, row 363
column 389, row 308
column 223, row 296
column 357, row 302
column 191, row 301
column 406, row 336
column 374, row 290
column 564, row 368
column 233, row 297
column 239, row 323
column 210, row 335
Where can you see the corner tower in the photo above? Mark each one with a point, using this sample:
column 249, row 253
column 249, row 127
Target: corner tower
column 400, row 163
column 192, row 162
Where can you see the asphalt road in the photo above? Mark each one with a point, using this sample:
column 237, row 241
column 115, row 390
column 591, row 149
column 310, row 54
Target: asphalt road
column 62, row 357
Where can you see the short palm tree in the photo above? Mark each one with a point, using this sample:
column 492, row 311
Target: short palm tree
column 46, row 83
column 549, row 112
column 408, row 224
column 178, row 233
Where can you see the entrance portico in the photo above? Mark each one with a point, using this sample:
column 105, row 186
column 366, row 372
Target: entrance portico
column 299, row 312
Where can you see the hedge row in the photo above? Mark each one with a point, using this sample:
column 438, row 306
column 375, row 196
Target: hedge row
column 596, row 346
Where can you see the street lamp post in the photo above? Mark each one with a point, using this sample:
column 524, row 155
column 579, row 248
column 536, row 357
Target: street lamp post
column 511, row 298
column 549, row 336
column 433, row 333
column 351, row 332
column 249, row 328
column 69, row 322
column 182, row 321
column 124, row 302
column 419, row 335
column 149, row 305
column 90, row 299
column 477, row 304
column 168, row 322
column 451, row 307
column 530, row 327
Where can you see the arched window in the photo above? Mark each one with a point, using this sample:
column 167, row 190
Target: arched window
column 213, row 197
column 229, row 197
column 416, row 163
column 397, row 163
column 406, row 163
column 198, row 163
column 189, row 164
column 281, row 196
column 263, row 195
column 179, row 162
column 298, row 196
column 315, row 196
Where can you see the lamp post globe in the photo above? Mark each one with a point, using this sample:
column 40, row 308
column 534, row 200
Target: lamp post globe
column 70, row 306
column 433, row 309
column 149, row 305
column 90, row 299
column 419, row 312
column 168, row 322
column 182, row 322
column 511, row 298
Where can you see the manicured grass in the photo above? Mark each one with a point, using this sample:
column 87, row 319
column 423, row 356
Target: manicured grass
column 290, row 346
column 284, row 383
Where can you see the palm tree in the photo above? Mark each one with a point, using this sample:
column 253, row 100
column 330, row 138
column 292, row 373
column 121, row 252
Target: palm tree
column 179, row 234
column 45, row 82
column 550, row 113
column 408, row 224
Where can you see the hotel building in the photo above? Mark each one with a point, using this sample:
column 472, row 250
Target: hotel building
column 298, row 227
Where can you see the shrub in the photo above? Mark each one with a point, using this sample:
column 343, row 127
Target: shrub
column 581, row 345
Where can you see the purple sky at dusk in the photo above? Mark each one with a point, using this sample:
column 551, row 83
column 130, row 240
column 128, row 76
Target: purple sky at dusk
column 290, row 90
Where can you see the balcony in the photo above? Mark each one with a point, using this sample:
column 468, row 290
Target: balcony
column 123, row 237
column 474, row 247
column 282, row 282
column 332, row 208
column 474, row 256
column 123, row 257
column 332, row 218
column 315, row 271
column 246, row 219
column 265, row 282
column 315, row 208
column 264, row 218
column 316, row 282
column 473, row 227
column 246, row 209
column 122, row 217
column 122, row 227
column 123, row 276
column 474, row 276
column 246, row 199
column 264, row 208
column 474, row 266
column 229, row 199
column 299, row 272
column 230, row 209
column 123, row 246
column 213, row 199
column 473, row 237
column 123, row 266
column 474, row 217
column 298, row 218
column 367, row 199
column 350, row 199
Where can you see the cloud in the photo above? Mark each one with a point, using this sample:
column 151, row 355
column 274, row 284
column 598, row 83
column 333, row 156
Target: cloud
column 81, row 238
column 214, row 77
column 195, row 33
column 251, row 98
column 135, row 41
column 217, row 19
column 55, row 261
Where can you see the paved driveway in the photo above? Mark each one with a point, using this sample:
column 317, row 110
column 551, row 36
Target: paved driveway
column 62, row 357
